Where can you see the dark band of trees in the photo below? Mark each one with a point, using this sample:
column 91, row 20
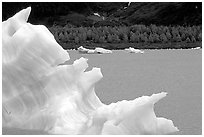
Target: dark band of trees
column 127, row 34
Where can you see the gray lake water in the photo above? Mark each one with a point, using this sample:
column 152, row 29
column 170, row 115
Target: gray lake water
column 128, row 76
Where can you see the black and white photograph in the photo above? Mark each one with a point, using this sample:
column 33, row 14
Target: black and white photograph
column 101, row 68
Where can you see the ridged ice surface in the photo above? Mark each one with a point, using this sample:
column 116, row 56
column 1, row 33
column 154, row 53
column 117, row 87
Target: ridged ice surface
column 38, row 93
column 132, row 50
column 93, row 51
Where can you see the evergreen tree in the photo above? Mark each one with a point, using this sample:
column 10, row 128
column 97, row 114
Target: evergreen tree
column 153, row 28
column 89, row 34
column 65, row 34
column 115, row 38
column 188, row 40
column 56, row 35
column 132, row 37
column 156, row 37
column 125, row 38
column 109, row 38
column 96, row 38
column 200, row 36
column 179, row 38
column 151, row 38
column 168, row 35
column 102, row 39
column 193, row 39
column 76, row 40
column 84, row 36
column 176, row 38
column 61, row 36
column 163, row 38
column 143, row 38
column 183, row 37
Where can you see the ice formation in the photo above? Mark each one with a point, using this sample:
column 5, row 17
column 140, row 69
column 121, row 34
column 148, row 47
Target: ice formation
column 96, row 14
column 38, row 93
column 197, row 48
column 102, row 50
column 132, row 50
column 97, row 50
column 81, row 49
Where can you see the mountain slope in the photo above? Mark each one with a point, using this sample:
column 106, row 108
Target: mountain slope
column 110, row 13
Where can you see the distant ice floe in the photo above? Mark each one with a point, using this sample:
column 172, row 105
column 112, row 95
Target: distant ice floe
column 197, row 48
column 81, row 49
column 132, row 50
column 102, row 50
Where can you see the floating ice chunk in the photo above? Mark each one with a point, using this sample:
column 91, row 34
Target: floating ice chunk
column 197, row 48
column 93, row 51
column 38, row 93
column 102, row 50
column 81, row 49
column 132, row 50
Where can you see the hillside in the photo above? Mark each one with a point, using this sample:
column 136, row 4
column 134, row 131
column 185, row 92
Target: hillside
column 108, row 13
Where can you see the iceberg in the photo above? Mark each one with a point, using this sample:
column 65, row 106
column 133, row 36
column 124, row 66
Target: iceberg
column 102, row 50
column 132, row 50
column 197, row 48
column 97, row 50
column 81, row 49
column 91, row 51
column 40, row 94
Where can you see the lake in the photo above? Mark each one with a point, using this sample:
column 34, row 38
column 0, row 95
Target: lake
column 128, row 76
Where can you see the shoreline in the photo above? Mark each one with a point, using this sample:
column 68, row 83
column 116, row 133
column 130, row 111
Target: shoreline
column 142, row 46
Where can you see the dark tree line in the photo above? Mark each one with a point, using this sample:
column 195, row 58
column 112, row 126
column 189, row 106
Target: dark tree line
column 123, row 34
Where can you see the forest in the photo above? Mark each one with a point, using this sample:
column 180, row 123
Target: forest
column 70, row 35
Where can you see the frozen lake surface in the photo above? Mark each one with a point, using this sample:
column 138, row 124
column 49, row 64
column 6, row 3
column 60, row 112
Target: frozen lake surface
column 128, row 76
